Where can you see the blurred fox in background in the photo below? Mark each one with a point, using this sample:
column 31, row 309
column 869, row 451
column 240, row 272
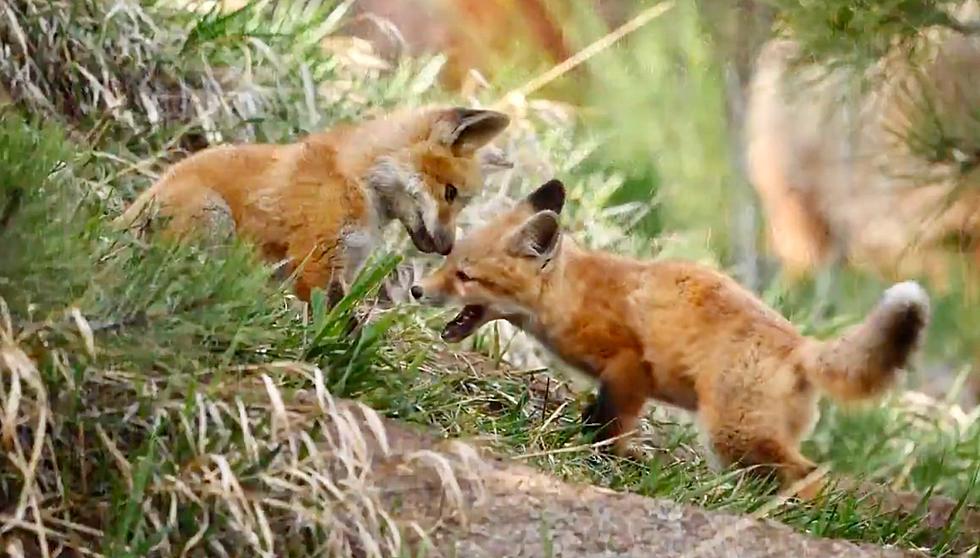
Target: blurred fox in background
column 475, row 36
column 472, row 34
column 853, row 174
column 839, row 171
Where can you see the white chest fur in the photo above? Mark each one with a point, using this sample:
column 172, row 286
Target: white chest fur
column 361, row 239
column 358, row 244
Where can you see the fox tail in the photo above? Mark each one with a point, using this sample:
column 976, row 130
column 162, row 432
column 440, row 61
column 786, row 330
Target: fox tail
column 864, row 361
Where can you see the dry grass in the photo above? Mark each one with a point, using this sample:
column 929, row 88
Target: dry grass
column 238, row 466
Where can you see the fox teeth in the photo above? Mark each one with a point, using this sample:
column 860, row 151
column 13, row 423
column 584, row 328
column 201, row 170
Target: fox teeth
column 460, row 327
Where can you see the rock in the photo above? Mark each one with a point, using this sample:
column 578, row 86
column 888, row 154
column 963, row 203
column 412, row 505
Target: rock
column 516, row 511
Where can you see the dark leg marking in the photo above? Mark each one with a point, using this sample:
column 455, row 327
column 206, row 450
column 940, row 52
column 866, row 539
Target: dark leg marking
column 336, row 293
column 600, row 417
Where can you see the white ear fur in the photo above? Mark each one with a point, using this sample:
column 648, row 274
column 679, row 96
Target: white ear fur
column 475, row 128
column 537, row 237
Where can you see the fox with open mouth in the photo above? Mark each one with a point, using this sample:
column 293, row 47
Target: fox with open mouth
column 678, row 332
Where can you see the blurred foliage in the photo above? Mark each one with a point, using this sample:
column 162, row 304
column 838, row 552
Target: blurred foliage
column 638, row 101
column 861, row 33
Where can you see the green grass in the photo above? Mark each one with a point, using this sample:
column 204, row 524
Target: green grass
column 182, row 363
column 875, row 444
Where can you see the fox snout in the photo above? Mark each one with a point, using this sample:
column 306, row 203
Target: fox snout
column 431, row 291
column 428, row 291
column 419, row 293
column 441, row 241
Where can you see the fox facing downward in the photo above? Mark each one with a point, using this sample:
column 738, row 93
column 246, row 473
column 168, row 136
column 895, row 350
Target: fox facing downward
column 673, row 331
column 319, row 204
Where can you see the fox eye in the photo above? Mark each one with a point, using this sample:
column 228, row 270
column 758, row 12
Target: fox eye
column 451, row 193
column 462, row 276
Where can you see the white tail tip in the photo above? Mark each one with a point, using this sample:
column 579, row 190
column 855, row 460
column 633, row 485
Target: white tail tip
column 906, row 293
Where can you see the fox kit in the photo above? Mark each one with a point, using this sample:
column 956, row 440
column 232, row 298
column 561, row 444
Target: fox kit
column 673, row 331
column 319, row 204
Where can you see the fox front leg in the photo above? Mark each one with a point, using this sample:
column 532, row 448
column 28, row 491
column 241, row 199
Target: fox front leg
column 624, row 385
column 336, row 291
column 323, row 267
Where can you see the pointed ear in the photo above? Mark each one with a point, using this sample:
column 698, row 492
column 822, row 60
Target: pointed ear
column 474, row 128
column 537, row 237
column 550, row 196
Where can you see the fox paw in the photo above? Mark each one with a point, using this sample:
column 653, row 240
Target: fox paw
column 359, row 317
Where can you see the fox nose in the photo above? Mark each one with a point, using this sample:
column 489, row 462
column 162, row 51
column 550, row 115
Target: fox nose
column 416, row 291
column 444, row 239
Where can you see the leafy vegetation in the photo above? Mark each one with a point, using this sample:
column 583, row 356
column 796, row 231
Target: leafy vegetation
column 861, row 33
column 161, row 398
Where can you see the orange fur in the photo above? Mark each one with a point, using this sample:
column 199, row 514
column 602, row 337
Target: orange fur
column 320, row 203
column 673, row 331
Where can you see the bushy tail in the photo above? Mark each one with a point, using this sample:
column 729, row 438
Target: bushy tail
column 864, row 361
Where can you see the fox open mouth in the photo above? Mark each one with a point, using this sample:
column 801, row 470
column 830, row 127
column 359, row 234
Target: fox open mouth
column 465, row 323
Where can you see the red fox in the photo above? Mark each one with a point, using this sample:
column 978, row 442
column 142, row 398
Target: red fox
column 320, row 204
column 674, row 331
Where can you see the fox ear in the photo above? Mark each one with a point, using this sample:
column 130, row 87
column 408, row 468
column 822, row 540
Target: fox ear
column 537, row 237
column 474, row 128
column 550, row 196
